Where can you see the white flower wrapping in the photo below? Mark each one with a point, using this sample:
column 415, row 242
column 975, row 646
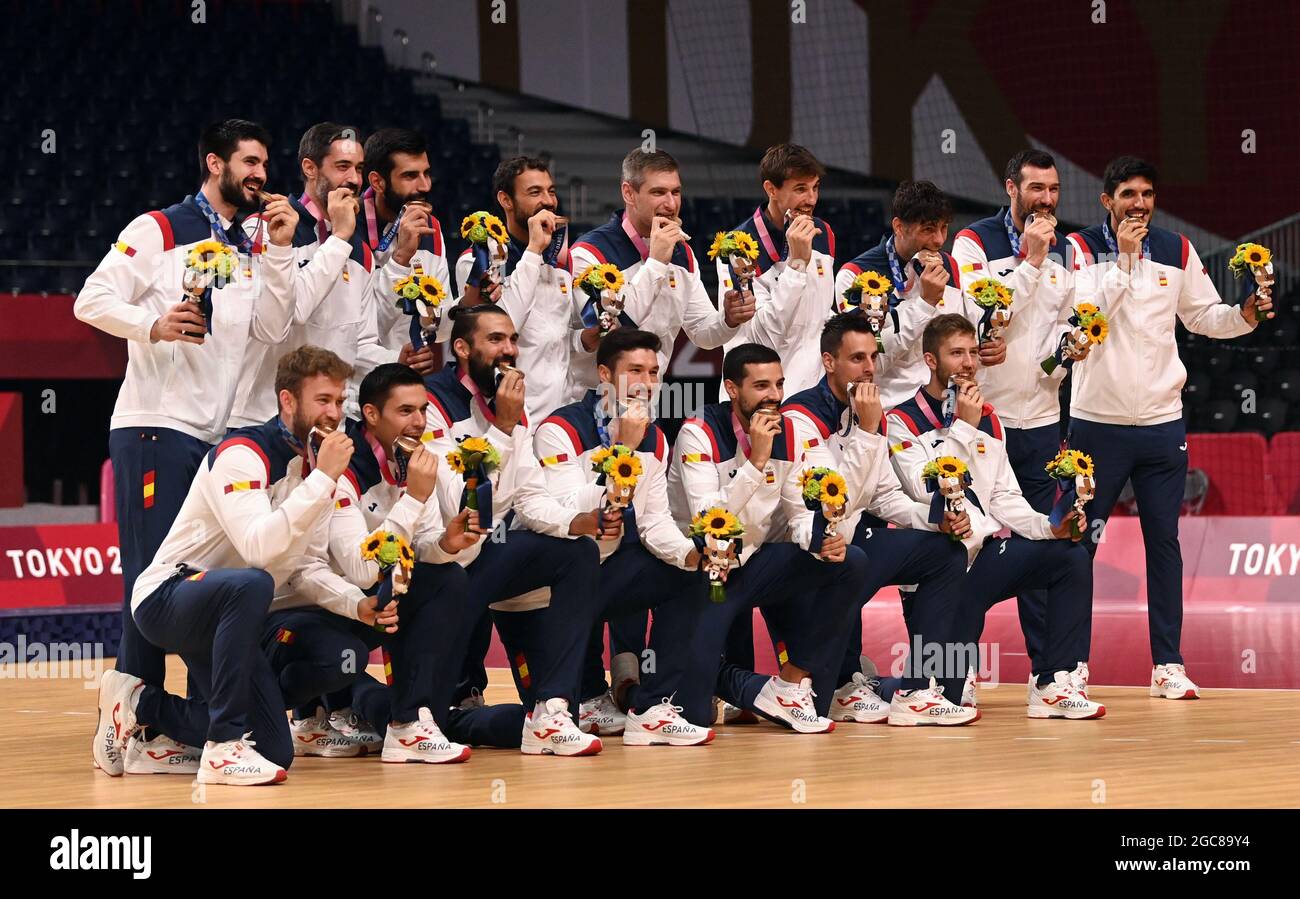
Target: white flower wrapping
column 720, row 556
column 954, row 494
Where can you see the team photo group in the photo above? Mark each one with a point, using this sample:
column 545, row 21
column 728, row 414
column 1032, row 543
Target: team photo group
column 347, row 426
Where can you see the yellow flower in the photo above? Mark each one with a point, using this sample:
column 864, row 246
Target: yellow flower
column 468, row 224
column 745, row 244
column 475, row 445
column 497, row 230
column 405, row 556
column 599, row 456
column 719, row 523
column 625, row 470
column 456, row 463
column 873, row 284
column 432, row 290
column 370, row 546
column 1082, row 462
column 1254, row 254
column 716, row 247
column 610, row 277
column 1083, row 310
column 833, row 489
column 207, row 256
column 399, row 286
column 1097, row 330
column 950, row 466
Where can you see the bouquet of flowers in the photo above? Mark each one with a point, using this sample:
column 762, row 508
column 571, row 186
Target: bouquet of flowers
column 474, row 459
column 208, row 264
column 1074, row 472
column 394, row 556
column 1089, row 328
column 994, row 298
column 717, row 532
column 740, row 250
column 948, row 478
column 869, row 292
column 421, row 296
column 824, row 489
column 621, row 468
column 488, row 240
column 603, row 285
column 1259, row 260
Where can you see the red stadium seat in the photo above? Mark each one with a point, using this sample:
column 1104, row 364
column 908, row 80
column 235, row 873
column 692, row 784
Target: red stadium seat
column 1284, row 471
column 1235, row 465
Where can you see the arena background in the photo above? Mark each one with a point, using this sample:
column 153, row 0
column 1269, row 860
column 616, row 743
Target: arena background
column 104, row 101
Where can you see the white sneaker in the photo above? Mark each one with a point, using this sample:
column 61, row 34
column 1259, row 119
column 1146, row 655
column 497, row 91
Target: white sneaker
column 858, row 701
column 912, row 708
column 1079, row 679
column 421, row 741
column 549, row 730
column 237, row 763
column 1172, row 682
column 315, row 736
column 601, row 716
column 969, row 698
column 663, row 725
column 161, row 755
column 1060, row 699
column 792, row 705
column 358, row 730
column 118, row 695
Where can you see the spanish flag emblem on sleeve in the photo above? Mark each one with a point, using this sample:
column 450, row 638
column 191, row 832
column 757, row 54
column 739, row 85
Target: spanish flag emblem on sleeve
column 696, row 457
column 901, row 447
column 122, row 247
column 548, row 461
column 237, row 486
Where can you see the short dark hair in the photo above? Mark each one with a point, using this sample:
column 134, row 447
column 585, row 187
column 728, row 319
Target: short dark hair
column 638, row 162
column 503, row 179
column 464, row 319
column 788, row 161
column 1039, row 159
column 921, row 202
column 305, row 362
column 942, row 327
column 1122, row 168
column 381, row 146
column 316, row 140
column 223, row 139
column 623, row 340
column 376, row 386
column 733, row 364
column 838, row 325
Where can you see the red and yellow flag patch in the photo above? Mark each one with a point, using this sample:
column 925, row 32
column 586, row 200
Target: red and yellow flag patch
column 148, row 489
column 122, row 247
column 237, row 486
column 696, row 457
column 555, row 460
column 521, row 666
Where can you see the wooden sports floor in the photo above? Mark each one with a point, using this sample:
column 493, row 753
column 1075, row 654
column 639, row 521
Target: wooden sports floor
column 1233, row 748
